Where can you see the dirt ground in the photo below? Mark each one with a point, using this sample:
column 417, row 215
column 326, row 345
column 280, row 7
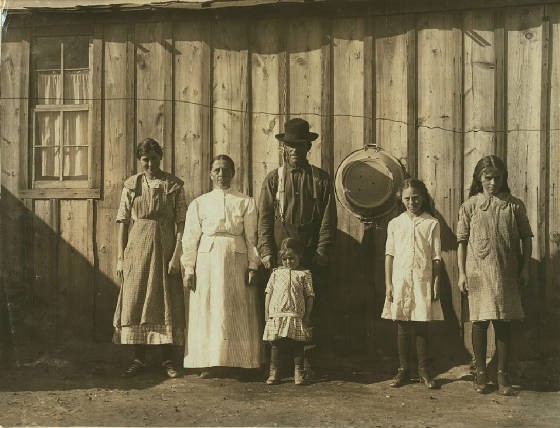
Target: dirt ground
column 57, row 391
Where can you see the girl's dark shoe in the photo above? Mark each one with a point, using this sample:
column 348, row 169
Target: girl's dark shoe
column 426, row 379
column 170, row 369
column 401, row 378
column 479, row 382
column 504, row 384
column 135, row 368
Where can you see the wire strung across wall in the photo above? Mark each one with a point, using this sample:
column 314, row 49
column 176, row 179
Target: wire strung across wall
column 295, row 114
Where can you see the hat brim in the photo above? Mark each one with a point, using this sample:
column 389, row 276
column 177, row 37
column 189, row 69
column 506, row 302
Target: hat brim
column 312, row 136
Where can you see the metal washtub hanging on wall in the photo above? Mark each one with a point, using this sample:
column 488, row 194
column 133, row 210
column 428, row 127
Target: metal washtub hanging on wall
column 366, row 183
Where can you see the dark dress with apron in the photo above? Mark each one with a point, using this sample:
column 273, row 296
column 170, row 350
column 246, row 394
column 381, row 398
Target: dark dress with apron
column 150, row 308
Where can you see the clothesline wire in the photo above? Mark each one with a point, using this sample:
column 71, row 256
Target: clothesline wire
column 268, row 113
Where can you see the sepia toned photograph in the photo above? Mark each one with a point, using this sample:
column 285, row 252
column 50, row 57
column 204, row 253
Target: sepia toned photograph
column 340, row 213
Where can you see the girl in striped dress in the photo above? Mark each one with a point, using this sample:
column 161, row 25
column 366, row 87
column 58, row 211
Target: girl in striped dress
column 492, row 264
column 288, row 306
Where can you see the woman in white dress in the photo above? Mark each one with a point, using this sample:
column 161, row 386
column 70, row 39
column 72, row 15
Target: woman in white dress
column 220, row 260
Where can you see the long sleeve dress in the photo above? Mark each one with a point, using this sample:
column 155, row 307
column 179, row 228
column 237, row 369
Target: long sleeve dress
column 219, row 245
column 150, row 308
column 493, row 227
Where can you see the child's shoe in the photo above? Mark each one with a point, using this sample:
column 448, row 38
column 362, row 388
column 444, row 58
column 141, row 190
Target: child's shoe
column 273, row 377
column 135, row 368
column 401, row 378
column 169, row 369
column 479, row 381
column 504, row 384
column 426, row 379
column 299, row 375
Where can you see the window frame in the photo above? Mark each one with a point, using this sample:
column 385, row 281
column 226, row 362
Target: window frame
column 89, row 188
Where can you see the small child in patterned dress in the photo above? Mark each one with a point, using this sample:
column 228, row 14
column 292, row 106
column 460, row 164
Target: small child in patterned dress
column 288, row 306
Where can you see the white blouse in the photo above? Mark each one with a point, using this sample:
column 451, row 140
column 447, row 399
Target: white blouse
column 220, row 213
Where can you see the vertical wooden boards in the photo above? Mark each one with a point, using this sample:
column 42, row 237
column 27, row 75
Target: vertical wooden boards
column 524, row 45
column 154, row 61
column 118, row 162
column 75, row 292
column 308, row 79
column 119, row 141
column 354, row 289
column 192, row 105
column 96, row 91
column 479, row 90
column 45, row 269
column 394, row 63
column 266, row 55
column 553, row 264
column 231, row 83
column 13, row 85
column 10, row 114
column 440, row 145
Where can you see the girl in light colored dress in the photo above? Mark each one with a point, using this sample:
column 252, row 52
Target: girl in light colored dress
column 492, row 224
column 412, row 265
column 288, row 306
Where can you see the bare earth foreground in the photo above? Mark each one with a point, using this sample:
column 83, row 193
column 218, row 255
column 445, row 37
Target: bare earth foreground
column 56, row 392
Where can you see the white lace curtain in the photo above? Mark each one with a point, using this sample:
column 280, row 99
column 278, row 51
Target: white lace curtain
column 74, row 132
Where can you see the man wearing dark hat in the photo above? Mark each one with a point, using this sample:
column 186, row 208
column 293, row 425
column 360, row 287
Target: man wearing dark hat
column 297, row 201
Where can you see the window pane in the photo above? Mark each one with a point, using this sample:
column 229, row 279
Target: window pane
column 46, row 53
column 48, row 87
column 76, row 128
column 46, row 163
column 47, row 134
column 76, row 52
column 76, row 87
column 76, row 163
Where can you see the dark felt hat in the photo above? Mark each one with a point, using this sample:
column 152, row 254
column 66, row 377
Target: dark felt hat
column 296, row 131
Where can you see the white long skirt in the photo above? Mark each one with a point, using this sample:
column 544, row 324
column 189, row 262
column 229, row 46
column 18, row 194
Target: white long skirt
column 224, row 322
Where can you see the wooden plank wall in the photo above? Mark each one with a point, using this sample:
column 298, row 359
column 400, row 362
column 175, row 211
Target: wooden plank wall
column 438, row 91
column 552, row 282
column 14, row 223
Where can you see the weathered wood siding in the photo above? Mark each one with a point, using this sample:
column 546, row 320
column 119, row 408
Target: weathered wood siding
column 437, row 90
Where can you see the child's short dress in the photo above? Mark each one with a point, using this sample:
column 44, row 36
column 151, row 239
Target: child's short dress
column 288, row 290
column 493, row 228
column 414, row 242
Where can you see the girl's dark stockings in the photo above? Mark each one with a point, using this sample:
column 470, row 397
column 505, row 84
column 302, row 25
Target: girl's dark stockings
column 502, row 331
column 140, row 352
column 405, row 329
column 279, row 348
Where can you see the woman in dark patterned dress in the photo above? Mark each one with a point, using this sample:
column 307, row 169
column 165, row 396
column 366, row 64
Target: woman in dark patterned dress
column 150, row 308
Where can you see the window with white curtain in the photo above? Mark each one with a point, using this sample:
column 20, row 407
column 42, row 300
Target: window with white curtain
column 61, row 112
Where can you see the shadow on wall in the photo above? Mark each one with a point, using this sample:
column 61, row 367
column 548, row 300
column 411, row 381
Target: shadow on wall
column 48, row 294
